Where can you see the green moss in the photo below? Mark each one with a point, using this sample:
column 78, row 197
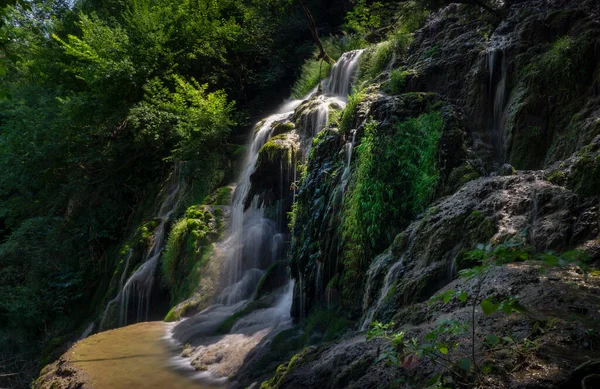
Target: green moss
column 396, row 176
column 269, row 280
column 374, row 61
column 398, row 80
column 585, row 174
column 189, row 248
column 281, row 147
column 221, row 196
column 282, row 128
column 349, row 113
column 460, row 176
column 557, row 177
column 172, row 315
column 399, row 244
column 181, row 310
column 391, row 293
column 283, row 370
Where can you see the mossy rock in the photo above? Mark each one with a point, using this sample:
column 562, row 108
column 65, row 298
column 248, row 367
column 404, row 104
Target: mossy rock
column 184, row 309
column 221, row 196
column 253, row 305
column 278, row 380
column 275, row 277
column 556, row 177
column 585, row 175
column 190, row 247
column 280, row 149
column 460, row 176
column 283, row 127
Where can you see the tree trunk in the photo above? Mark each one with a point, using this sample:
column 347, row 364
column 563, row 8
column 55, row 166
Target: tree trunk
column 313, row 30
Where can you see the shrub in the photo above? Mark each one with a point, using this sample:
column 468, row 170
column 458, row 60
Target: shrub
column 348, row 114
column 313, row 71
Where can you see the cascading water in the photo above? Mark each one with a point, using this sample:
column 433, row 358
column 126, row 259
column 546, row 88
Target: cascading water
column 255, row 240
column 348, row 148
column 137, row 289
column 250, row 239
column 340, row 81
column 498, row 90
column 391, row 278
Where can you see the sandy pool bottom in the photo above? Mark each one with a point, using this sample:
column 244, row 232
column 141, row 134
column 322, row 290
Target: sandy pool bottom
column 136, row 356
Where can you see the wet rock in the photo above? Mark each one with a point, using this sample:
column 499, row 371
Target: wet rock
column 496, row 209
column 507, row 170
column 276, row 170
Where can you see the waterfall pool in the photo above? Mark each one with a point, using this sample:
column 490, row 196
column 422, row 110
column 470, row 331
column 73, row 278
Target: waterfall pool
column 136, row 356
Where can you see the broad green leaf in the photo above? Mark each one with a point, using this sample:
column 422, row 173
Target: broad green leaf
column 462, row 296
column 488, row 307
column 443, row 349
column 465, row 364
column 447, row 296
column 492, row 339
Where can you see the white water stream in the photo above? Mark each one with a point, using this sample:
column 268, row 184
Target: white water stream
column 254, row 242
column 137, row 289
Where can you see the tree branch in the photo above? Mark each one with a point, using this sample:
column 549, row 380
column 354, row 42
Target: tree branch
column 313, row 30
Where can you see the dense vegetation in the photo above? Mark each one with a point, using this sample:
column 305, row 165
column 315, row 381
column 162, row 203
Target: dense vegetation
column 98, row 100
column 104, row 105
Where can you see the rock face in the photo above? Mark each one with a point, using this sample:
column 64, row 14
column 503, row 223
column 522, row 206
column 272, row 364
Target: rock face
column 318, row 252
column 516, row 163
column 521, row 208
column 527, row 82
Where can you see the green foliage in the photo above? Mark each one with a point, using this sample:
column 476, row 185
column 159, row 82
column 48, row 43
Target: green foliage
column 558, row 69
column 439, row 343
column 196, row 120
column 435, row 346
column 364, row 17
column 374, row 61
column 396, row 175
column 349, row 112
column 188, row 250
column 222, row 196
column 313, row 71
column 398, row 80
column 516, row 251
column 103, row 51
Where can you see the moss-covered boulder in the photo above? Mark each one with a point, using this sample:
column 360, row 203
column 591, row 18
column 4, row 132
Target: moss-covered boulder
column 581, row 172
column 276, row 171
column 189, row 266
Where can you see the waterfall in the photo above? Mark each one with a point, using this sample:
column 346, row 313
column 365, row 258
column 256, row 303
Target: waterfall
column 255, row 240
column 340, row 79
column 394, row 272
column 250, row 230
column 348, row 149
column 137, row 289
column 498, row 90
column 250, row 239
